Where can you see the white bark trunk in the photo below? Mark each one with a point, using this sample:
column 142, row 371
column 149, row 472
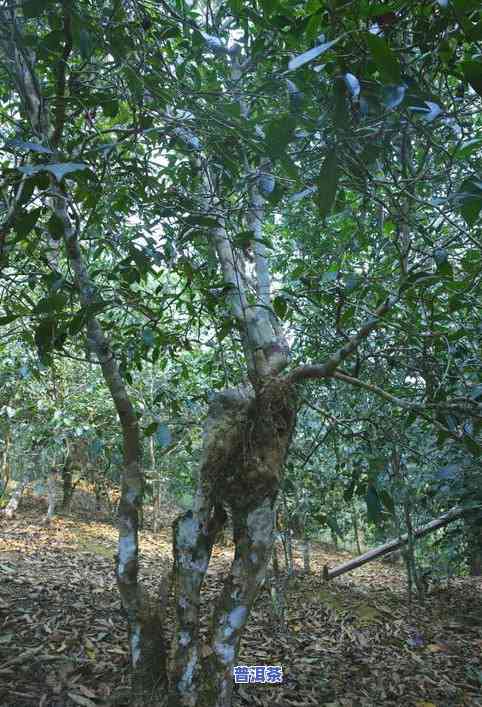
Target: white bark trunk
column 12, row 506
column 52, row 495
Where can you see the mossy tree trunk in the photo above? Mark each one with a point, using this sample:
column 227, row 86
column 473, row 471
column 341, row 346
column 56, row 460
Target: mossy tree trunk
column 247, row 437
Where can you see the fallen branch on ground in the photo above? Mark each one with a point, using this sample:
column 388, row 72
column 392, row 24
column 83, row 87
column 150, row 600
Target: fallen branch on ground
column 385, row 549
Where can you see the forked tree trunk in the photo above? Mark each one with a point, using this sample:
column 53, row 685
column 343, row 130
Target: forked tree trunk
column 246, row 440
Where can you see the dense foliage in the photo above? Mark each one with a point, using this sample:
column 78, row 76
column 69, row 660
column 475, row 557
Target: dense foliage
column 183, row 174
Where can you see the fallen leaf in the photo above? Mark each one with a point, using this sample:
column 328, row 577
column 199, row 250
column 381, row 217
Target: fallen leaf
column 82, row 701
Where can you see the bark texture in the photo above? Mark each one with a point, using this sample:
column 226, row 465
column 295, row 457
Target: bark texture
column 246, row 438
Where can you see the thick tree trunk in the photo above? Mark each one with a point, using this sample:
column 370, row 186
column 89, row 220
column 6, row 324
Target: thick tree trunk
column 12, row 505
column 448, row 517
column 245, row 443
column 253, row 537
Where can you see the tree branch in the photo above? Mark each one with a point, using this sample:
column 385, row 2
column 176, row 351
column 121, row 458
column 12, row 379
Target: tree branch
column 327, row 369
column 399, row 402
column 62, row 66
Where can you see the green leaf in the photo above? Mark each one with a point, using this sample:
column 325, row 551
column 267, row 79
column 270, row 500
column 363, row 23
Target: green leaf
column 473, row 74
column 384, row 58
column 77, row 322
column 473, row 446
column 279, row 134
column 280, row 306
column 8, row 319
column 59, row 170
column 327, row 183
column 30, row 146
column 163, row 435
column 269, row 7
column 49, row 305
column 387, row 501
column 34, row 8
column 148, row 338
column 186, row 501
column 469, row 198
column 468, row 148
column 56, row 227
column 374, row 507
column 110, row 108
column 236, row 6
column 368, row 8
column 150, row 429
column 85, row 44
column 311, row 54
column 206, row 221
column 26, row 221
column 312, row 6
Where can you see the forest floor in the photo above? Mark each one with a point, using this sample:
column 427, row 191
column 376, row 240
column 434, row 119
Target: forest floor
column 347, row 643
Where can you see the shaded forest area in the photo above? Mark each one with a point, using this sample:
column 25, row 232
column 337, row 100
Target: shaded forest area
column 240, row 336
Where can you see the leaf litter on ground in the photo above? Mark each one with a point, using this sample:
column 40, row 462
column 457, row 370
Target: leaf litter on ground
column 350, row 642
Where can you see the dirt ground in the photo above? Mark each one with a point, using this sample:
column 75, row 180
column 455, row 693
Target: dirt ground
column 347, row 643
